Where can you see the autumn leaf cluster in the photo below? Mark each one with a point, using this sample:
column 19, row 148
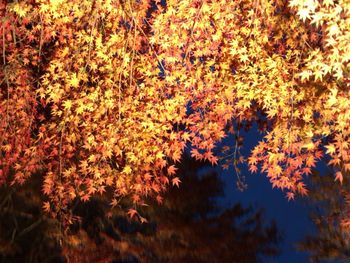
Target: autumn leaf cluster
column 108, row 94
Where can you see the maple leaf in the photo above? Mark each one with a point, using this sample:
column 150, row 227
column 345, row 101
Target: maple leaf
column 305, row 75
column 186, row 136
column 213, row 160
column 92, row 159
column 328, row 3
column 339, row 177
column 310, row 161
column 332, row 101
column 127, row 169
column 317, row 19
column 253, row 168
column 21, row 9
column 334, row 161
column 196, row 154
column 309, row 146
column 85, row 197
column 290, row 196
column 304, row 14
column 330, row 149
column 114, row 202
column 176, row 156
column 47, row 207
column 176, row 181
column 161, row 163
column 347, row 166
column 143, row 220
column 159, row 199
column 172, row 170
column 67, row 104
column 159, row 155
column 132, row 212
column 74, row 81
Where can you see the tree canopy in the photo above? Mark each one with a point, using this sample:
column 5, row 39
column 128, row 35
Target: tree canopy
column 108, row 94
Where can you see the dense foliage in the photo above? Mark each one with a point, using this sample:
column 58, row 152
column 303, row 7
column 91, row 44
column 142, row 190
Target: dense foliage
column 108, row 93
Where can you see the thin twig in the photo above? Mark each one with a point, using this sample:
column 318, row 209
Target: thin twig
column 8, row 97
column 3, row 45
column 192, row 30
column 30, row 228
column 41, row 35
column 144, row 34
column 240, row 184
column 60, row 152
column 60, row 181
column 14, row 35
column 132, row 57
column 90, row 43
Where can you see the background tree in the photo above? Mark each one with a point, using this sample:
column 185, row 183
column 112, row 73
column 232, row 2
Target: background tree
column 328, row 213
column 188, row 227
column 26, row 233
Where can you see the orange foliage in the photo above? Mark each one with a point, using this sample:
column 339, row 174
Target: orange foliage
column 107, row 94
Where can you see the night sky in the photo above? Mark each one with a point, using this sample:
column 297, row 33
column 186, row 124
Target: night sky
column 291, row 216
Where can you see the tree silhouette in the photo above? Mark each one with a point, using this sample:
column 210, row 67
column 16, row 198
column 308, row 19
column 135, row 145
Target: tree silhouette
column 329, row 213
column 26, row 233
column 188, row 227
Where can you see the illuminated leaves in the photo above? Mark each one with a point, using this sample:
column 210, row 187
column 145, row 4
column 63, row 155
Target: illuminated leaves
column 176, row 181
column 74, row 81
column 132, row 213
column 106, row 93
column 330, row 149
column 339, row 177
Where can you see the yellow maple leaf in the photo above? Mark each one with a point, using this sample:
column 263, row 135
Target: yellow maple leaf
column 330, row 149
column 309, row 146
column 127, row 169
column 74, row 81
column 67, row 104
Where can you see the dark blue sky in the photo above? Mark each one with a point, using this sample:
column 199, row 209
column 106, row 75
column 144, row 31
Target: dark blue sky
column 291, row 216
